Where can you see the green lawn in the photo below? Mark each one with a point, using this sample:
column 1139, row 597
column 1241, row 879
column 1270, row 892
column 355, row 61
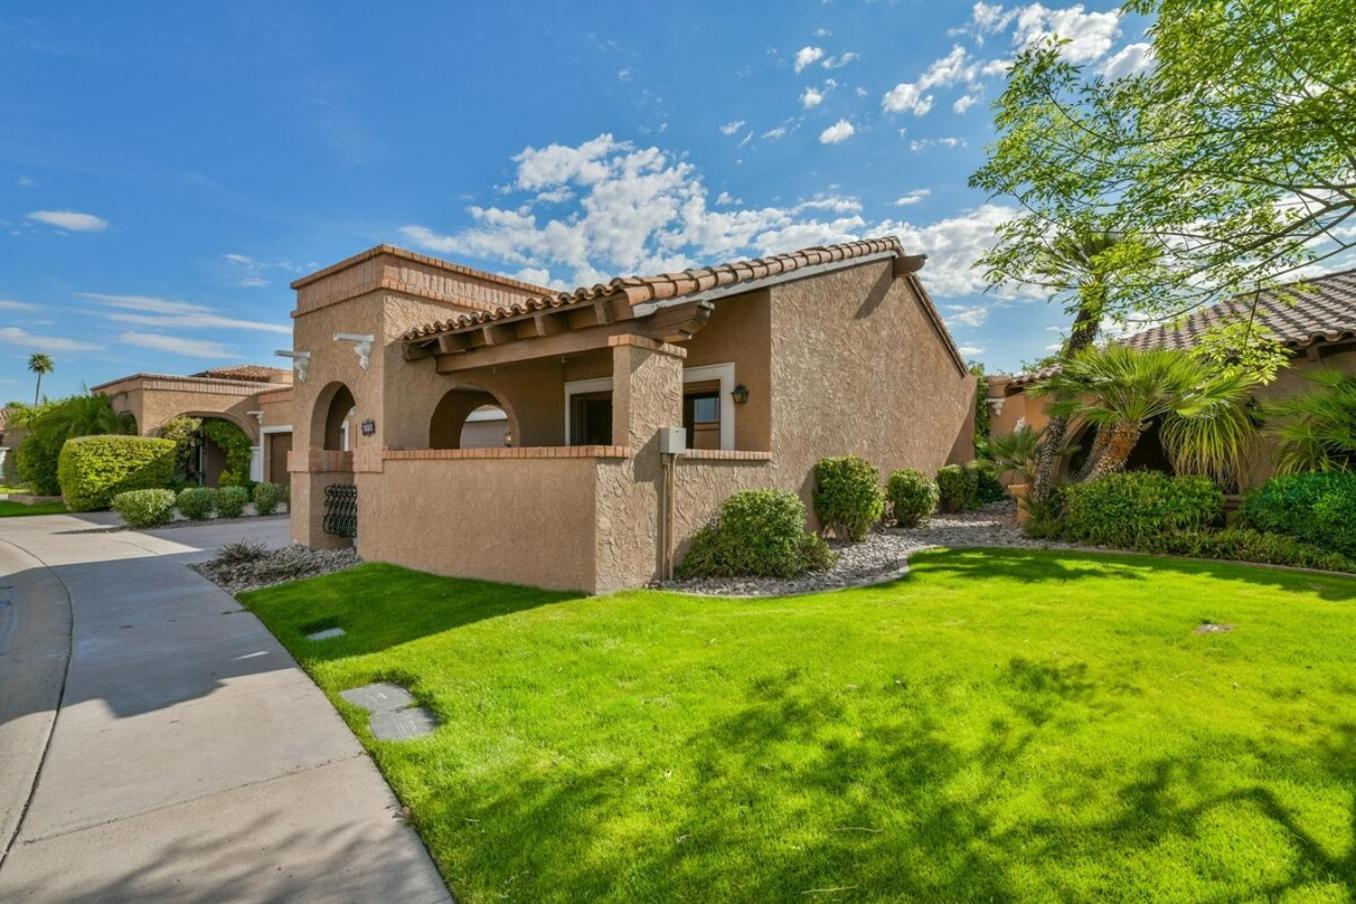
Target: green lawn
column 999, row 725
column 18, row 509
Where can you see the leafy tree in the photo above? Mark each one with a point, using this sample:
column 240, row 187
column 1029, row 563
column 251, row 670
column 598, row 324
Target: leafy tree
column 1206, row 428
column 1316, row 430
column 52, row 423
column 1233, row 156
column 39, row 364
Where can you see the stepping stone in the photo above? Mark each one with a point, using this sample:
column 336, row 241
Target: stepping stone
column 402, row 724
column 1212, row 628
column 378, row 698
column 325, row 634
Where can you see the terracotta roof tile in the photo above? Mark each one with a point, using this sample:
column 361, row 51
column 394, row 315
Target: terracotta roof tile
column 643, row 289
column 252, row 372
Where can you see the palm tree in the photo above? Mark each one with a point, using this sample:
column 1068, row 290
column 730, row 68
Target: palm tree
column 40, row 364
column 1206, row 428
column 1016, row 453
column 1316, row 431
column 84, row 415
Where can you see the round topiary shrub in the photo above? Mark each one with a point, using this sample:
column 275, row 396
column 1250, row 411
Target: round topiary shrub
column 759, row 533
column 913, row 496
column 231, row 501
column 848, row 496
column 94, row 469
column 1318, row 508
column 145, row 508
column 197, row 503
column 956, row 487
column 267, row 498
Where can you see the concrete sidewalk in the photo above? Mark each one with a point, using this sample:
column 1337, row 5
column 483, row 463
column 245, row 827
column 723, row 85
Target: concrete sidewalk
column 190, row 758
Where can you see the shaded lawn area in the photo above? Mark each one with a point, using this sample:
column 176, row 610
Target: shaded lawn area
column 999, row 724
column 18, row 509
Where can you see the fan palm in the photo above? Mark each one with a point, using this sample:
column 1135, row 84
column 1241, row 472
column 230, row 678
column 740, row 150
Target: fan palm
column 1016, row 453
column 85, row 415
column 40, row 364
column 1206, row 428
column 1316, row 431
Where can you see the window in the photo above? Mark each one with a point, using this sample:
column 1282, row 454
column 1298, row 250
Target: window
column 701, row 414
column 708, row 413
column 591, row 419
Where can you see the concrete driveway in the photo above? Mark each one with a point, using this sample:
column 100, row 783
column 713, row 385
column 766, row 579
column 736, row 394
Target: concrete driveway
column 157, row 744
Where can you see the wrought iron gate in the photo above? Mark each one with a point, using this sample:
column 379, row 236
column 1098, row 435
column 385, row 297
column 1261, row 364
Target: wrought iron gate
column 341, row 510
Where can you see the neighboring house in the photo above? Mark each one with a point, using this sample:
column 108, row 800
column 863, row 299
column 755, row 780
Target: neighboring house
column 1318, row 327
column 763, row 367
column 255, row 398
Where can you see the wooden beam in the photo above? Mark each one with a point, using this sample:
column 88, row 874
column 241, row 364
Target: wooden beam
column 545, row 324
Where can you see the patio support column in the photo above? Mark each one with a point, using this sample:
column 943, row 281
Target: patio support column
column 647, row 392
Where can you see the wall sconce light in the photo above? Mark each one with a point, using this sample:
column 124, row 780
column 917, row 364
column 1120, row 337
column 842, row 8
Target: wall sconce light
column 740, row 394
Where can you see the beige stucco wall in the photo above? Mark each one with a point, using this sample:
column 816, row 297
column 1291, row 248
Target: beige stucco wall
column 153, row 401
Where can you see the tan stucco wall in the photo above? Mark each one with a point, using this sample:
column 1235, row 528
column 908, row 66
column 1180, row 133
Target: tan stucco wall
column 740, row 333
column 276, row 407
column 153, row 402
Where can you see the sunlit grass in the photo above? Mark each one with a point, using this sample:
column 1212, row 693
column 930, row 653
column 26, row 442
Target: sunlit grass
column 999, row 725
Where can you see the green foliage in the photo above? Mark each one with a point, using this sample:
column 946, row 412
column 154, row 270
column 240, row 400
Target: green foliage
column 983, row 418
column 145, row 508
column 231, row 501
column 988, row 488
column 1015, row 454
column 37, row 461
column 1246, row 545
column 93, row 469
column 1316, row 430
column 233, row 443
column 848, row 496
column 267, row 497
column 184, row 432
column 51, row 424
column 958, row 487
column 1317, row 508
column 197, row 503
column 913, row 496
column 1130, row 510
column 759, row 533
column 1243, row 344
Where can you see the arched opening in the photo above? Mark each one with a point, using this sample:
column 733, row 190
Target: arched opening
column 469, row 417
column 331, row 423
column 1148, row 454
column 210, row 449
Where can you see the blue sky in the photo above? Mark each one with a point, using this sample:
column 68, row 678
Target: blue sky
column 166, row 169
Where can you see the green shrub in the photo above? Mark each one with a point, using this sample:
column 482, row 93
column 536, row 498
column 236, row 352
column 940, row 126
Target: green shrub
column 988, row 488
column 1317, row 508
column 37, row 462
column 848, row 496
column 145, row 508
column 1247, row 545
column 913, row 496
column 1130, row 510
column 234, row 444
column 957, row 487
column 93, row 469
column 231, row 501
column 267, row 497
column 197, row 502
column 759, row 533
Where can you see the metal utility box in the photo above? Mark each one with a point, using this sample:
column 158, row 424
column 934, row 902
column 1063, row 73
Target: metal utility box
column 672, row 440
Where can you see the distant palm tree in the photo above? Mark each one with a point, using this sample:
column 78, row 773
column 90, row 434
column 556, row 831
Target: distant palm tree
column 1206, row 424
column 40, row 364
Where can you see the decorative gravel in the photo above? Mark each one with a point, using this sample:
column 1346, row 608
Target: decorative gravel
column 276, row 566
column 882, row 556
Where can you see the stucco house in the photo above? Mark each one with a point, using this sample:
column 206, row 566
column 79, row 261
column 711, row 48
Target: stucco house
column 1317, row 327
column 255, row 398
column 622, row 415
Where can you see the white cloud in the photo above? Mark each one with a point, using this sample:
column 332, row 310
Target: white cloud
column 812, row 98
column 822, row 32
column 969, row 351
column 732, row 127
column 1129, row 60
column 839, row 132
column 912, row 197
column 841, row 60
column 625, row 75
column 1090, row 34
column 254, row 282
column 164, row 312
column 967, row 315
column 746, row 139
column 6, row 305
column 25, row 182
column 964, row 102
column 919, row 144
column 176, row 345
column 70, row 220
column 808, row 56
column 24, row 339
column 906, row 97
column 952, row 246
column 774, row 134
column 955, row 67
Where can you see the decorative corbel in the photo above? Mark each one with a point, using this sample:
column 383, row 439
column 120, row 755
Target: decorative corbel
column 997, row 404
column 301, row 362
column 362, row 345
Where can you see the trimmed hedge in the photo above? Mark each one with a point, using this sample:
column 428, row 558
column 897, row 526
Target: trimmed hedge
column 958, row 487
column 759, row 533
column 94, row 469
column 988, row 488
column 36, row 460
column 231, row 501
column 1130, row 510
column 267, row 497
column 1318, row 508
column 848, row 496
column 145, row 508
column 1246, row 545
column 197, row 503
column 912, row 495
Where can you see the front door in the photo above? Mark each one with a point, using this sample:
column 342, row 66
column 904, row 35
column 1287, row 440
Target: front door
column 279, row 444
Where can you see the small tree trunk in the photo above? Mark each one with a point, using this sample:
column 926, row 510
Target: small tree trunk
column 1082, row 335
column 1099, row 441
column 1120, row 443
column 37, row 390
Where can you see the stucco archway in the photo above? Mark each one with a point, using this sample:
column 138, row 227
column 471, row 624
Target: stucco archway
column 449, row 417
column 334, row 408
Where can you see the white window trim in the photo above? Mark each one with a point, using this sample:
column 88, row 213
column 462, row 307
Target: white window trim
column 580, row 387
column 724, row 373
